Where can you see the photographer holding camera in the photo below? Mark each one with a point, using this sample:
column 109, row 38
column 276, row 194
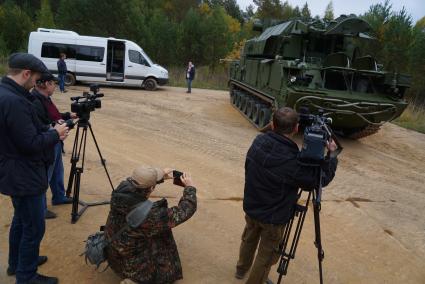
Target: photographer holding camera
column 49, row 115
column 25, row 148
column 273, row 175
column 148, row 254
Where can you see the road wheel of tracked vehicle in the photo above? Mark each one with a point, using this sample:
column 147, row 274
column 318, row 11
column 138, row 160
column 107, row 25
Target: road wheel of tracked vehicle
column 150, row 84
column 256, row 112
column 239, row 100
column 264, row 117
column 244, row 103
column 70, row 79
column 233, row 98
column 249, row 108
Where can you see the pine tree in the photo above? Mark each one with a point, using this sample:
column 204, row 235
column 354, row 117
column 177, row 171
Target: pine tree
column 329, row 12
column 305, row 12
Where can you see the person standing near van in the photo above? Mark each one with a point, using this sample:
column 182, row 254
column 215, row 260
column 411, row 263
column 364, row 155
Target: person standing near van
column 62, row 72
column 190, row 75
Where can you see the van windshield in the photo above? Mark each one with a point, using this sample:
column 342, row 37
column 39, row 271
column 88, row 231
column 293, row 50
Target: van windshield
column 147, row 57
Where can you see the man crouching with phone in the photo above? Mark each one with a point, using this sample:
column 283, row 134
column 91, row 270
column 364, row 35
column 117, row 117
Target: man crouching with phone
column 149, row 253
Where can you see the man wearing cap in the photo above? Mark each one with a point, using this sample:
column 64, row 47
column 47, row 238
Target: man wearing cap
column 49, row 115
column 149, row 253
column 62, row 72
column 25, row 149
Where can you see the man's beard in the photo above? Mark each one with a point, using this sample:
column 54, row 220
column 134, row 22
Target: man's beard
column 29, row 84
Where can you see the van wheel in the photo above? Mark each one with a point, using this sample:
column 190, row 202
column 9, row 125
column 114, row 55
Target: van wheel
column 69, row 79
column 150, row 84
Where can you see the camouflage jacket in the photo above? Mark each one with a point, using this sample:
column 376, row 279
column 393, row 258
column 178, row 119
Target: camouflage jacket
column 147, row 254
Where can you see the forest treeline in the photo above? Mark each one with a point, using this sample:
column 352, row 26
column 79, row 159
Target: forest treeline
column 173, row 32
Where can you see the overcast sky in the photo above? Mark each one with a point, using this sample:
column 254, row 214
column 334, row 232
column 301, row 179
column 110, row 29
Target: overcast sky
column 416, row 8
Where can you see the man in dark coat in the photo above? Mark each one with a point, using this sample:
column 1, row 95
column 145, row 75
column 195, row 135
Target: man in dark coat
column 62, row 69
column 148, row 254
column 49, row 115
column 26, row 147
column 273, row 176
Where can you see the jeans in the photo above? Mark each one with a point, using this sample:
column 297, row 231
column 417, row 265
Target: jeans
column 55, row 173
column 189, row 85
column 26, row 233
column 61, row 78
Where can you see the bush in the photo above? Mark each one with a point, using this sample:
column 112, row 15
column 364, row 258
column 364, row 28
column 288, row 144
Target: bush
column 412, row 118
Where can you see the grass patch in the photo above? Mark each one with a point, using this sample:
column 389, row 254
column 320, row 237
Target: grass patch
column 412, row 118
column 205, row 77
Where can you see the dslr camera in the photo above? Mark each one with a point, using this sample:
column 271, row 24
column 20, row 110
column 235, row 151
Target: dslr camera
column 88, row 102
column 317, row 133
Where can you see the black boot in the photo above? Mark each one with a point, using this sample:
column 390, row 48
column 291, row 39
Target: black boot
column 41, row 279
column 42, row 259
column 50, row 215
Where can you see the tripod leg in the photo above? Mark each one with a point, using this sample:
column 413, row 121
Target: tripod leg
column 318, row 238
column 75, row 201
column 300, row 212
column 101, row 157
column 74, row 161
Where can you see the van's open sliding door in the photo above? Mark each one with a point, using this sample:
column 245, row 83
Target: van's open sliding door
column 115, row 61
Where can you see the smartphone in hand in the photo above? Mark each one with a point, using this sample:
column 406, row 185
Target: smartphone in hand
column 176, row 178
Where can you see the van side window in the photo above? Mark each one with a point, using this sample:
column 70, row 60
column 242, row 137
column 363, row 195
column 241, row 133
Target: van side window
column 53, row 50
column 90, row 53
column 136, row 57
column 73, row 51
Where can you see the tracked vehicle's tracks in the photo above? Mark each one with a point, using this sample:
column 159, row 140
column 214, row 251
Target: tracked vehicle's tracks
column 368, row 130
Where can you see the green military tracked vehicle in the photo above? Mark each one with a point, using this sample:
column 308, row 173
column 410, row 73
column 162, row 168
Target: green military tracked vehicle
column 318, row 65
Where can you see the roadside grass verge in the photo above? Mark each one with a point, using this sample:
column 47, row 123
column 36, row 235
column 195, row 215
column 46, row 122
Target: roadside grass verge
column 205, row 77
column 412, row 118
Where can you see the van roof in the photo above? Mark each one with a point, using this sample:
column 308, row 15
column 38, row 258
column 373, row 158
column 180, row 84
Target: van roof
column 56, row 31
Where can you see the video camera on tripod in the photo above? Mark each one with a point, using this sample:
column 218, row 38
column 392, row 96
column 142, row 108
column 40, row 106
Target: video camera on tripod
column 88, row 102
column 82, row 106
column 317, row 135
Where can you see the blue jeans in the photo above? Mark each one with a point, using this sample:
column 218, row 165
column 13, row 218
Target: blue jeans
column 61, row 78
column 189, row 85
column 26, row 233
column 55, row 173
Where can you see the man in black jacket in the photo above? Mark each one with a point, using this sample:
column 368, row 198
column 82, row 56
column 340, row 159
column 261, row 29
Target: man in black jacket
column 273, row 176
column 26, row 147
column 62, row 69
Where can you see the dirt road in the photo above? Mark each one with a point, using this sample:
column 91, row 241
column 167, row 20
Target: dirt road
column 373, row 225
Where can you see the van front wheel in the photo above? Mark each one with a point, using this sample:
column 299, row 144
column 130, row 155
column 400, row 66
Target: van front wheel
column 150, row 84
column 69, row 79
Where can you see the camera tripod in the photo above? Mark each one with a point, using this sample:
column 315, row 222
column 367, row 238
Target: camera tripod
column 300, row 211
column 76, row 171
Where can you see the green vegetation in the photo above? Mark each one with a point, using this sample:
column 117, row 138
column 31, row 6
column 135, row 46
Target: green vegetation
column 3, row 66
column 412, row 118
column 205, row 77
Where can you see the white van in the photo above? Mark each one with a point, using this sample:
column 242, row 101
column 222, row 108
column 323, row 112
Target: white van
column 96, row 59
